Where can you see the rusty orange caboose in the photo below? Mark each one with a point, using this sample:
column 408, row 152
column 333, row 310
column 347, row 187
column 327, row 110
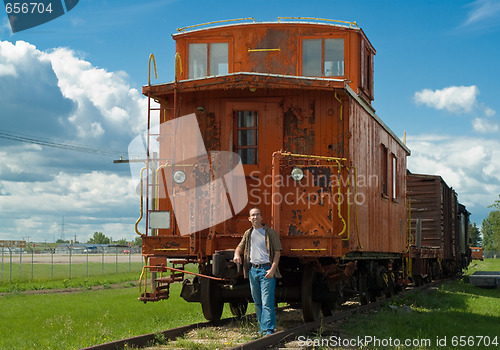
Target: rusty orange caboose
column 293, row 99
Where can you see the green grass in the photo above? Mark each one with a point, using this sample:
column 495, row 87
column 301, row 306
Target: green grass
column 81, row 319
column 58, row 278
column 455, row 309
column 486, row 265
column 47, row 271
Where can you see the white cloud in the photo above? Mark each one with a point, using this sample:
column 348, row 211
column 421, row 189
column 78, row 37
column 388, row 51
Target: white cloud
column 489, row 112
column 119, row 106
column 484, row 126
column 88, row 201
column 455, row 99
column 56, row 95
column 68, row 96
column 482, row 11
column 470, row 165
column 7, row 69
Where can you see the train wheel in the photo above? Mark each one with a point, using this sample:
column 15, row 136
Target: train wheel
column 238, row 308
column 364, row 292
column 311, row 309
column 329, row 308
column 211, row 301
column 389, row 288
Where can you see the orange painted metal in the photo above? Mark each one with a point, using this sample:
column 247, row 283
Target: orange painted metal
column 276, row 48
column 476, row 253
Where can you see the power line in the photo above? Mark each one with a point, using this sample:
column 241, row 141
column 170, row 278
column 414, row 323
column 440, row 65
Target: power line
column 60, row 144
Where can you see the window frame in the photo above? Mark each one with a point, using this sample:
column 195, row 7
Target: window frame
column 208, row 42
column 322, row 38
column 236, row 129
column 394, row 177
column 384, row 162
column 367, row 53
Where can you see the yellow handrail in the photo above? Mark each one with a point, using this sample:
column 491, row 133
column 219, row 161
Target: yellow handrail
column 341, row 106
column 339, row 201
column 351, row 24
column 214, row 22
column 264, row 50
column 151, row 56
column 330, row 159
column 158, row 183
column 178, row 59
column 142, row 205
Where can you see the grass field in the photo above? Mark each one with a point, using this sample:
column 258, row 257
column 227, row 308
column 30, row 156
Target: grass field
column 85, row 318
column 81, row 266
column 455, row 316
column 82, row 276
column 81, row 319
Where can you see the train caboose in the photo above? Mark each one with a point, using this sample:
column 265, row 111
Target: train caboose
column 288, row 105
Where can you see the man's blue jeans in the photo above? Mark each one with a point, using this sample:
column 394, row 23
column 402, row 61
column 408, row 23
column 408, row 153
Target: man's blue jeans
column 262, row 289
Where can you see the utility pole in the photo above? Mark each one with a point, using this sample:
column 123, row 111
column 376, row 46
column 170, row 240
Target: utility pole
column 62, row 229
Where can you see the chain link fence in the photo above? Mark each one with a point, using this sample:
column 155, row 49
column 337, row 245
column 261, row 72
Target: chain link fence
column 68, row 261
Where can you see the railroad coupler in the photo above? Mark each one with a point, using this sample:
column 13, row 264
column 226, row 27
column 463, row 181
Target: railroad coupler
column 191, row 290
column 223, row 265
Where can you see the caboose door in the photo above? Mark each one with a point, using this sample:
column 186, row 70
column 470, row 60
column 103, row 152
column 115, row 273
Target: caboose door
column 255, row 131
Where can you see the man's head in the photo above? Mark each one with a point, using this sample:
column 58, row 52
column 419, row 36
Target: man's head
column 255, row 217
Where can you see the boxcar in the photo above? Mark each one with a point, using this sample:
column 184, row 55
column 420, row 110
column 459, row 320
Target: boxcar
column 293, row 100
column 439, row 226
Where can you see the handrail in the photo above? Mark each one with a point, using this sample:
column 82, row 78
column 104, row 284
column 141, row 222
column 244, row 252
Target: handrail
column 178, row 59
column 330, row 159
column 181, row 30
column 142, row 204
column 154, row 62
column 351, row 24
column 339, row 213
column 158, row 182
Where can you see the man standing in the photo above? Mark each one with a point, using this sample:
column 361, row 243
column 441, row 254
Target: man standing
column 261, row 251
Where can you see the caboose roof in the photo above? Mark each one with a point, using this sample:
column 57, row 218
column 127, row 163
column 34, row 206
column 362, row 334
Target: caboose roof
column 281, row 21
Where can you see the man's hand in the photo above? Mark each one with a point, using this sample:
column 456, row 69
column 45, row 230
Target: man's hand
column 237, row 257
column 270, row 273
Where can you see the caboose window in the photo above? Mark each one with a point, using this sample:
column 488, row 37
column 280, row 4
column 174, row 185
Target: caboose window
column 219, row 62
column 394, row 177
column 323, row 57
column 311, row 57
column 246, row 135
column 198, row 60
column 208, row 59
column 384, row 169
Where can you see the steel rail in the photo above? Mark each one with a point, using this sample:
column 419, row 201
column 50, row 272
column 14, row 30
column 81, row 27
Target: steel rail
column 145, row 339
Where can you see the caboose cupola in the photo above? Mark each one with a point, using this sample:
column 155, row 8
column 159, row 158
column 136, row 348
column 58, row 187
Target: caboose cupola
column 330, row 49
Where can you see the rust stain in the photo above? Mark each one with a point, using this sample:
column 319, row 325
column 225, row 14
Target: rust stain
column 299, row 135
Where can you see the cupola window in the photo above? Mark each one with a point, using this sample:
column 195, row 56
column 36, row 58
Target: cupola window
column 208, row 59
column 323, row 57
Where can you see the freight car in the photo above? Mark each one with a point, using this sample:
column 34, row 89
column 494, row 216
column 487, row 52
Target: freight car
column 285, row 109
column 439, row 225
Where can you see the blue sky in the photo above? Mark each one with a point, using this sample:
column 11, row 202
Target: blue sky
column 78, row 79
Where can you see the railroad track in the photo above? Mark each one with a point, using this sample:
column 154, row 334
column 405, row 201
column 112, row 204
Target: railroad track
column 259, row 343
column 146, row 339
